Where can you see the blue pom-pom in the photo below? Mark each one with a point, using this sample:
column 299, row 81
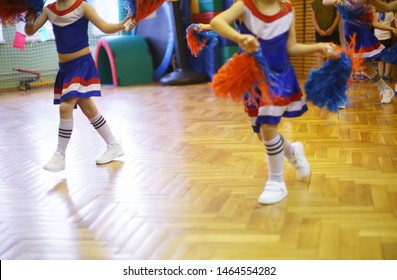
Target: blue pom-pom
column 37, row 6
column 130, row 6
column 210, row 36
column 326, row 87
column 390, row 56
column 355, row 12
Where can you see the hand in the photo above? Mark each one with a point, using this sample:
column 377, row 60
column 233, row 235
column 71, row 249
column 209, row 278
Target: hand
column 329, row 32
column 203, row 27
column 30, row 18
column 248, row 43
column 394, row 31
column 129, row 24
column 322, row 33
column 329, row 50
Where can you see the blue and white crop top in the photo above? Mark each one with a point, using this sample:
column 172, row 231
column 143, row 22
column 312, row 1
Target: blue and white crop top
column 70, row 27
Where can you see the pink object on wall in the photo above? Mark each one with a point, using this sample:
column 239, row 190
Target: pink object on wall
column 19, row 41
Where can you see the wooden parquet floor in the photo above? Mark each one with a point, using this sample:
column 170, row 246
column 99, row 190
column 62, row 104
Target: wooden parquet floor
column 188, row 185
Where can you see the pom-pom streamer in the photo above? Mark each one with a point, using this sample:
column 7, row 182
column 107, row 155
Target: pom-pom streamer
column 198, row 40
column 240, row 74
column 140, row 9
column 355, row 12
column 14, row 11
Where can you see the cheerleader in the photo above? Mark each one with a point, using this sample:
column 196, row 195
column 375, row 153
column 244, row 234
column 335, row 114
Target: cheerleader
column 77, row 79
column 268, row 26
column 359, row 18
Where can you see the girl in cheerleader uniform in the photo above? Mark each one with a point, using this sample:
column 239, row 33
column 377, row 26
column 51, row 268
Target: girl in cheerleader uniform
column 77, row 79
column 359, row 18
column 268, row 26
column 386, row 7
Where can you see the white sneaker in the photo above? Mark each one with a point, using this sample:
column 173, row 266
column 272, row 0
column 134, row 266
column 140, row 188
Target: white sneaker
column 56, row 163
column 273, row 192
column 343, row 106
column 113, row 151
column 299, row 162
column 387, row 95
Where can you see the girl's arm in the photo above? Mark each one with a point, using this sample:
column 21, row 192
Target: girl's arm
column 329, row 2
column 316, row 26
column 33, row 24
column 222, row 24
column 386, row 7
column 296, row 49
column 204, row 26
column 108, row 28
column 395, row 20
column 378, row 25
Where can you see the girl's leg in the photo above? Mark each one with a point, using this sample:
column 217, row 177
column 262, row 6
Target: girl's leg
column 57, row 162
column 114, row 149
column 387, row 71
column 381, row 68
column 275, row 189
column 274, row 144
column 386, row 92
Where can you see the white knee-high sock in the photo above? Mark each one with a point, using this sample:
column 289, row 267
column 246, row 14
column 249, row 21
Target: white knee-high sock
column 275, row 158
column 99, row 123
column 377, row 80
column 64, row 134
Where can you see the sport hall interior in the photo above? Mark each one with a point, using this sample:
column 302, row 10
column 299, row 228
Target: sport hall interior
column 187, row 187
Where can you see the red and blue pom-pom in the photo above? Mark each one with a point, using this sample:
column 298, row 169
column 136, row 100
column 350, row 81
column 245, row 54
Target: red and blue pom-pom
column 140, row 9
column 245, row 77
column 198, row 40
column 355, row 12
column 14, row 11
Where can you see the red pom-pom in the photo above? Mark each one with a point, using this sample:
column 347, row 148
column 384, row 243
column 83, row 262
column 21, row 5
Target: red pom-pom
column 145, row 7
column 14, row 11
column 242, row 73
column 193, row 41
column 353, row 54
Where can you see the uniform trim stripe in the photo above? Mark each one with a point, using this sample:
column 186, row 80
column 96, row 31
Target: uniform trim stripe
column 284, row 9
column 54, row 9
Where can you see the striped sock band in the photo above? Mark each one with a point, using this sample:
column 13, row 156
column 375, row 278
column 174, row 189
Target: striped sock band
column 98, row 121
column 275, row 146
column 275, row 158
column 376, row 78
column 64, row 133
column 378, row 81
